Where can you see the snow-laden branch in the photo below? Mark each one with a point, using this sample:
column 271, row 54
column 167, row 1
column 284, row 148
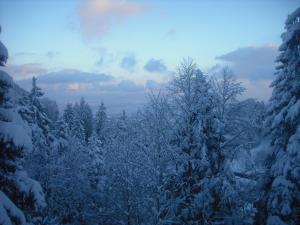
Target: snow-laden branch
column 9, row 212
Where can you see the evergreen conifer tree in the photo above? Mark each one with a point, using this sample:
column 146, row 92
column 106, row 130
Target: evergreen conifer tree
column 280, row 199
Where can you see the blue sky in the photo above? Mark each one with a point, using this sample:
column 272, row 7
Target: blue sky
column 121, row 38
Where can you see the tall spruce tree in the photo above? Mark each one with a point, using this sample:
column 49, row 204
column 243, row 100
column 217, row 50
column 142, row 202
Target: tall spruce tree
column 18, row 192
column 100, row 121
column 83, row 120
column 33, row 112
column 201, row 189
column 3, row 53
column 68, row 116
column 280, row 200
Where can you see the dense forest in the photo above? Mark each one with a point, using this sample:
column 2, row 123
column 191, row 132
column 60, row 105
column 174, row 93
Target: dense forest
column 195, row 154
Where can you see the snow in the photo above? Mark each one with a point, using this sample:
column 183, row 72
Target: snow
column 293, row 112
column 5, row 77
column 293, row 16
column 275, row 220
column 3, row 54
column 6, row 114
column 294, row 143
column 289, row 35
column 9, row 212
column 15, row 93
column 281, row 181
column 185, row 157
column 286, row 209
column 278, row 119
column 28, row 185
column 14, row 132
column 12, row 126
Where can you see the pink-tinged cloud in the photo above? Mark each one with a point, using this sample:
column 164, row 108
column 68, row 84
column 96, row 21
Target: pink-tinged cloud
column 98, row 16
column 24, row 71
column 79, row 86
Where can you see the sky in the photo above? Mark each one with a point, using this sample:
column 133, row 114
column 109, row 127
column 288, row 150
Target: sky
column 117, row 51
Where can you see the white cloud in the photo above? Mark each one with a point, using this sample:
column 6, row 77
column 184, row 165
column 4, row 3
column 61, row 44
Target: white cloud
column 155, row 65
column 253, row 63
column 170, row 33
column 70, row 76
column 257, row 89
column 254, row 67
column 51, row 54
column 98, row 16
column 152, row 84
column 128, row 85
column 69, row 85
column 24, row 71
column 128, row 63
column 104, row 57
column 22, row 54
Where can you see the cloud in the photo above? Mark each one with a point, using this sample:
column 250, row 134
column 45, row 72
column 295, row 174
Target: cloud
column 24, row 71
column 101, row 50
column 98, row 16
column 105, row 57
column 79, row 86
column 33, row 56
column 70, row 77
column 253, row 63
column 21, row 54
column 51, row 54
column 170, row 33
column 128, row 85
column 254, row 67
column 74, row 86
column 258, row 89
column 100, row 61
column 128, row 63
column 67, row 86
column 152, row 85
column 155, row 65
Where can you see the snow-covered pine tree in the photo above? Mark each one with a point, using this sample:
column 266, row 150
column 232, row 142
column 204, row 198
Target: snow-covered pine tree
column 280, row 200
column 95, row 179
column 154, row 137
column 124, row 195
column 68, row 116
column 17, row 190
column 3, row 53
column 51, row 110
column 72, row 117
column 96, row 166
column 191, row 99
column 33, row 112
column 77, row 128
column 86, row 116
column 100, row 121
column 201, row 189
column 39, row 116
